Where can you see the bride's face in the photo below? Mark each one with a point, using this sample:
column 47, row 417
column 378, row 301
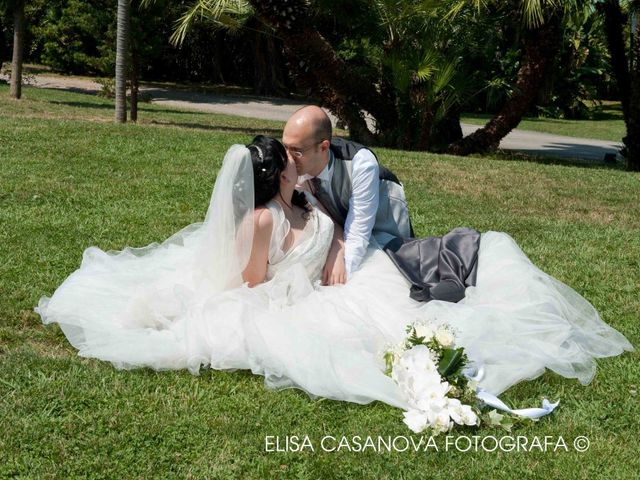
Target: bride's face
column 290, row 173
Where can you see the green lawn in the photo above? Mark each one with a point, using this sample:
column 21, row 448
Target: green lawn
column 607, row 124
column 70, row 178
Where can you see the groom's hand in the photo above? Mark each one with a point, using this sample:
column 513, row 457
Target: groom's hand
column 334, row 271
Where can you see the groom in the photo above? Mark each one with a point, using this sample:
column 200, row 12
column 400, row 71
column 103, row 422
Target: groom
column 360, row 194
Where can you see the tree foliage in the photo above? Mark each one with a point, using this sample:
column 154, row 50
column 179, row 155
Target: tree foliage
column 76, row 36
column 397, row 72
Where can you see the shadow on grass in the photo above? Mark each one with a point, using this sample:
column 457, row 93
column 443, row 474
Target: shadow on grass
column 196, row 99
column 215, row 89
column 598, row 115
column 611, row 112
column 605, row 112
column 205, row 98
column 580, row 152
column 141, row 107
column 274, row 132
column 550, row 159
column 103, row 106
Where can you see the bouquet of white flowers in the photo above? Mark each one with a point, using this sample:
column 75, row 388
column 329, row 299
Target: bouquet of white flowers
column 429, row 369
column 434, row 376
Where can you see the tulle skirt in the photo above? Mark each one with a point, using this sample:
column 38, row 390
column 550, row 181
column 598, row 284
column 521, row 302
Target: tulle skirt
column 148, row 311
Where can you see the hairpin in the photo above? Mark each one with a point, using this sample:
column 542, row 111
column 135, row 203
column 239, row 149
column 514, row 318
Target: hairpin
column 260, row 154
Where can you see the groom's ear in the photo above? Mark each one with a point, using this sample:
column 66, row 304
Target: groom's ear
column 324, row 145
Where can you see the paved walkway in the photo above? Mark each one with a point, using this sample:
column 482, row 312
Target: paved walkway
column 526, row 141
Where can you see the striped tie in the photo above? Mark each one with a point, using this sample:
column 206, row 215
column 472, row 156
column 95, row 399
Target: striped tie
column 325, row 197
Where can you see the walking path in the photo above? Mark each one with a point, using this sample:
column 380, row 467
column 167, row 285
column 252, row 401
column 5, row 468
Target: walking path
column 525, row 141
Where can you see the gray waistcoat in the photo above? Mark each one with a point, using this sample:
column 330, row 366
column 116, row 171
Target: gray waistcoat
column 392, row 218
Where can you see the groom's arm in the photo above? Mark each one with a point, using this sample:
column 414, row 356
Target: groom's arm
column 363, row 207
column 333, row 271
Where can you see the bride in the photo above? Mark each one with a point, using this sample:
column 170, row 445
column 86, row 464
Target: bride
column 242, row 290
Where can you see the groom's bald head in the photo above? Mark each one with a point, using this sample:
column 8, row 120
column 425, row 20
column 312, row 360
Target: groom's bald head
column 315, row 119
column 307, row 136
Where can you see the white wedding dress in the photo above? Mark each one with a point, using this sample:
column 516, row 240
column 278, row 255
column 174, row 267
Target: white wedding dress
column 153, row 308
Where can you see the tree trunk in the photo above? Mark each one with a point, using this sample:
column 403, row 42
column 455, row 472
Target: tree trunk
column 122, row 45
column 1, row 43
column 632, row 140
column 261, row 60
column 18, row 43
column 134, row 65
column 276, row 71
column 2, row 46
column 419, row 135
column 135, row 83
column 541, row 46
column 447, row 130
column 614, row 23
column 268, row 65
column 317, row 66
column 628, row 81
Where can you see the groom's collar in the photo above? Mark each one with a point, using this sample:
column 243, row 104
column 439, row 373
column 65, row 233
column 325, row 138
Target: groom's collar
column 327, row 173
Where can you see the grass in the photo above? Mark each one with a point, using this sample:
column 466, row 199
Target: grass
column 607, row 123
column 70, row 178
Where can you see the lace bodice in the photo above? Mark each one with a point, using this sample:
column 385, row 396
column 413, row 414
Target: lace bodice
column 311, row 249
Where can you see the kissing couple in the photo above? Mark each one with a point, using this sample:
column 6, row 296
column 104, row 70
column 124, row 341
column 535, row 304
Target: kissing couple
column 305, row 269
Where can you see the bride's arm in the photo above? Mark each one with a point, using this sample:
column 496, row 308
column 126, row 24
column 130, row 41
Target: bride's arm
column 256, row 270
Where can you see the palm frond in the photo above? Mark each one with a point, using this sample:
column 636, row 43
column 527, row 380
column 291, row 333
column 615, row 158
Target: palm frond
column 444, row 76
column 534, row 11
column 227, row 14
column 457, row 6
column 400, row 74
column 428, row 65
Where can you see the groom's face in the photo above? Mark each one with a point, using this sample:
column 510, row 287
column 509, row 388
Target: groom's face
column 309, row 154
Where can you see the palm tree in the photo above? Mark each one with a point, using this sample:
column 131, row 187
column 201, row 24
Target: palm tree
column 406, row 86
column 348, row 94
column 414, row 79
column 18, row 44
column 319, row 69
column 541, row 20
column 122, row 53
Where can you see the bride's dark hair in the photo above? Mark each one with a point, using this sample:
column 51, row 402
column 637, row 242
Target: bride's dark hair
column 269, row 160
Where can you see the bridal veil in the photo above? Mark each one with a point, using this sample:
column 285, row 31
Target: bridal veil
column 105, row 307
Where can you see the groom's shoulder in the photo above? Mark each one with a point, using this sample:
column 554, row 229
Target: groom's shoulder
column 344, row 149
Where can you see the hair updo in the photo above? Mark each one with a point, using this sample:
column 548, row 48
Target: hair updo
column 269, row 160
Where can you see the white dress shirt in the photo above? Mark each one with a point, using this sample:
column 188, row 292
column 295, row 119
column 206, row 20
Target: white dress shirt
column 363, row 205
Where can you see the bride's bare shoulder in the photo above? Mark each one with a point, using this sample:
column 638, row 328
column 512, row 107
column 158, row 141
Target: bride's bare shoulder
column 256, row 269
column 262, row 219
